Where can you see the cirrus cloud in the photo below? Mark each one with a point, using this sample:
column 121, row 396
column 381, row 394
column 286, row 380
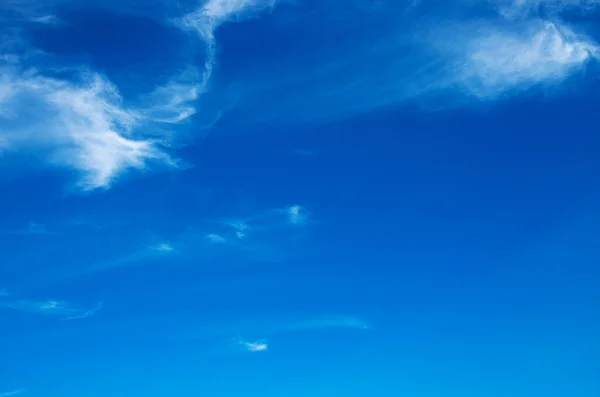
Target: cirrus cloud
column 65, row 310
column 80, row 124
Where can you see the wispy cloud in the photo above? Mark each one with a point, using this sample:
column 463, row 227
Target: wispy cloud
column 47, row 20
column 263, row 236
column 297, row 325
column 489, row 58
column 504, row 58
column 32, row 228
column 215, row 238
column 142, row 256
column 163, row 247
column 325, row 322
column 496, row 57
column 296, row 214
column 65, row 310
column 12, row 393
column 525, row 8
column 240, row 228
column 290, row 216
column 459, row 53
column 174, row 102
column 84, row 314
column 85, row 125
column 257, row 346
column 205, row 20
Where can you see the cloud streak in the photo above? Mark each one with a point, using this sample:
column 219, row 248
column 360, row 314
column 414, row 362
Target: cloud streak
column 205, row 20
column 163, row 247
column 257, row 346
column 326, row 322
column 65, row 310
column 12, row 393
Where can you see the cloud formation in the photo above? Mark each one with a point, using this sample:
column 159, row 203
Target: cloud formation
column 80, row 124
column 215, row 238
column 213, row 13
column 63, row 309
column 442, row 55
column 206, row 19
column 515, row 57
column 80, row 121
column 163, row 247
column 257, row 346
column 174, row 102
column 47, row 20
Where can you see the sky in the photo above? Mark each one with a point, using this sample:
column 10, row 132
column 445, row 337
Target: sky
column 268, row 198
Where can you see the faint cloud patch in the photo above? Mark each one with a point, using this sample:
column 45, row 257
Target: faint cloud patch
column 163, row 247
column 47, row 20
column 12, row 393
column 257, row 346
column 65, row 310
column 215, row 238
column 297, row 215
column 326, row 322
column 32, row 229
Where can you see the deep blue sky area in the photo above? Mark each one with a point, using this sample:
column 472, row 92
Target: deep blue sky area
column 268, row 198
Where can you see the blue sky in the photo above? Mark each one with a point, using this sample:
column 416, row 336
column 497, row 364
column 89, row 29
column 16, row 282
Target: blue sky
column 299, row 198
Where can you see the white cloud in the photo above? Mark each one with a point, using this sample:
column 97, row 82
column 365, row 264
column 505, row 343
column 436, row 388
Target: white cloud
column 258, row 346
column 173, row 102
column 163, row 247
column 206, row 19
column 276, row 218
column 81, row 125
column 240, row 228
column 542, row 53
column 84, row 125
column 215, row 238
column 494, row 59
column 297, row 214
column 214, row 13
column 66, row 310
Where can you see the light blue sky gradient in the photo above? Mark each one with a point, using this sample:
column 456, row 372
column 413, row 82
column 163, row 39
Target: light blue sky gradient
column 299, row 198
